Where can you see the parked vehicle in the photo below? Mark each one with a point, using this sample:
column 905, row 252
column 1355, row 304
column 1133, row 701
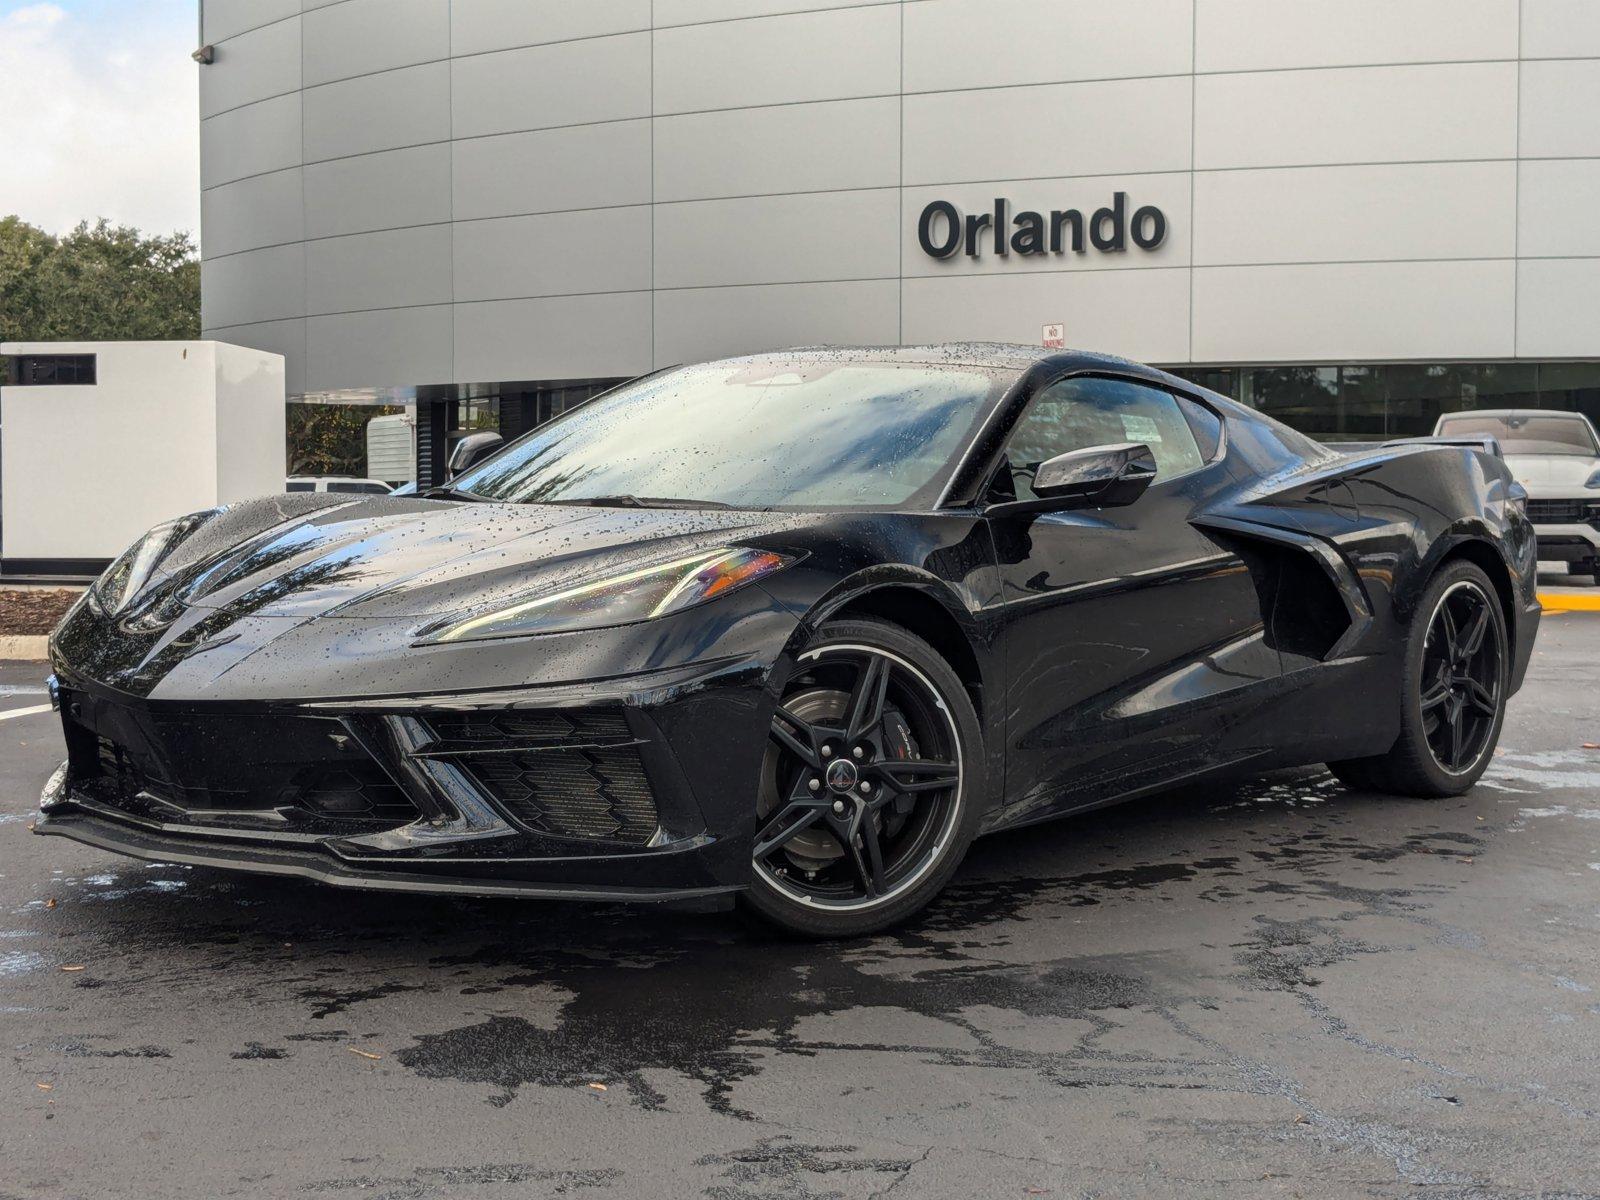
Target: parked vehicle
column 796, row 627
column 346, row 484
column 1556, row 457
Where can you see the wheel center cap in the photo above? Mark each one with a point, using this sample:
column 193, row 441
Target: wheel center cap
column 841, row 775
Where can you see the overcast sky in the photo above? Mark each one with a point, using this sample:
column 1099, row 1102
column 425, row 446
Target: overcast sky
column 99, row 114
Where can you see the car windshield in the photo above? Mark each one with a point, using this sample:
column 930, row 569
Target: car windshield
column 753, row 433
column 1530, row 434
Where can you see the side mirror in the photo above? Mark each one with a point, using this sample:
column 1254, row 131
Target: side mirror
column 472, row 450
column 1099, row 477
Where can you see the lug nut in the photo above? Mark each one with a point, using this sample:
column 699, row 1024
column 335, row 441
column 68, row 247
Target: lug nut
column 827, row 752
column 866, row 788
column 815, row 785
column 838, row 807
column 858, row 752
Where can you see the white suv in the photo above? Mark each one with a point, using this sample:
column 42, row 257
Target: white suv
column 1556, row 456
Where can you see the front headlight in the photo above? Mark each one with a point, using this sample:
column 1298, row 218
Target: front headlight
column 121, row 582
column 640, row 595
column 1593, row 481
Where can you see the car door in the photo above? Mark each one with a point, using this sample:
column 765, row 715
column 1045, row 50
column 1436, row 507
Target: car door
column 1126, row 631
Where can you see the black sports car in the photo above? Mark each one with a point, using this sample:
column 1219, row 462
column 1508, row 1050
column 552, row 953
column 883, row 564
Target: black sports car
column 795, row 626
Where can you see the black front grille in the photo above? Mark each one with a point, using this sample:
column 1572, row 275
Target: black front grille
column 1562, row 512
column 565, row 772
column 261, row 770
column 119, row 768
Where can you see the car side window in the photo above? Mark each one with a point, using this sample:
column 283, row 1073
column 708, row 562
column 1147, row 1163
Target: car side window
column 1206, row 426
column 299, row 487
column 1084, row 411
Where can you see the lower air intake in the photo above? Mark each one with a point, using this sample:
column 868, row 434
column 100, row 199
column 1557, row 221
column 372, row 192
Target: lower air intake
column 598, row 793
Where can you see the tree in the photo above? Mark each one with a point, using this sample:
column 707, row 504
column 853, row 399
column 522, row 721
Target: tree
column 330, row 439
column 101, row 282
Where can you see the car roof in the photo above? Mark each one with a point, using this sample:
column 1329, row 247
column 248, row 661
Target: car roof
column 1013, row 356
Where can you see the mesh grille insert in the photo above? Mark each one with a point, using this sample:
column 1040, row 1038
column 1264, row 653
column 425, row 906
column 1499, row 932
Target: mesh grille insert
column 571, row 793
column 566, row 772
column 554, row 725
column 357, row 790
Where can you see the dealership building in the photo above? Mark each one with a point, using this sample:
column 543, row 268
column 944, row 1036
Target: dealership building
column 1352, row 214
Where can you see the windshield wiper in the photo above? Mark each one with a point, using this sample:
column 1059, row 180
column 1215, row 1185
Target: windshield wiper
column 445, row 492
column 627, row 501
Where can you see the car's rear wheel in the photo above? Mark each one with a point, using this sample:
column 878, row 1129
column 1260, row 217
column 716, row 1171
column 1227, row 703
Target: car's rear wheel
column 1454, row 685
column 872, row 786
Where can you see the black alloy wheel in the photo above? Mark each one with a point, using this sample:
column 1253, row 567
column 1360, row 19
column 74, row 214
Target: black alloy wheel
column 1453, row 691
column 865, row 806
column 1462, row 673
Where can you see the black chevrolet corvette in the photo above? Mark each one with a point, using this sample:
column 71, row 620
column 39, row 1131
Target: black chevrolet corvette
column 796, row 627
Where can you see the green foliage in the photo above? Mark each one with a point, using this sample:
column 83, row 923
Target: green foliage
column 330, row 439
column 101, row 282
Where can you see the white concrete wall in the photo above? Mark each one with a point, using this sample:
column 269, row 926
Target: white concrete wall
column 168, row 428
column 251, row 423
column 404, row 192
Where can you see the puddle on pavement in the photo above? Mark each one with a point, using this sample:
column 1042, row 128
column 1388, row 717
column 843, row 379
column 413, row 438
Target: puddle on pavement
column 632, row 998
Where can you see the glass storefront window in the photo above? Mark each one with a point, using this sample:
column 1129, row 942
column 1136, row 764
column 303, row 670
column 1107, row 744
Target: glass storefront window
column 1393, row 400
column 1306, row 398
column 1419, row 395
column 1221, row 380
column 1574, row 387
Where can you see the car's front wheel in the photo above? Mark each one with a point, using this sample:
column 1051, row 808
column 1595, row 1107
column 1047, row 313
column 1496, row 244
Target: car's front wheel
column 1454, row 688
column 872, row 786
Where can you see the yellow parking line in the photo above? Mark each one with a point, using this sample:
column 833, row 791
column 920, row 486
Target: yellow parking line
column 1556, row 602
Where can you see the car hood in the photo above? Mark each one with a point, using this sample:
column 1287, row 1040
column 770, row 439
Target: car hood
column 413, row 558
column 1552, row 475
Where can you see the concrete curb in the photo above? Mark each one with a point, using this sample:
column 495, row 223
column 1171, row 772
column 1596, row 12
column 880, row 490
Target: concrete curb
column 31, row 647
column 1565, row 602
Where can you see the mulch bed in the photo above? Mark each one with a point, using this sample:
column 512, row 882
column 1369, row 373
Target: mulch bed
column 33, row 610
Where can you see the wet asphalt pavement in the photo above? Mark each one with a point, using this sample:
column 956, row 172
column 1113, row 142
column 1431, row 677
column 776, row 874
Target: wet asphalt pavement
column 1276, row 988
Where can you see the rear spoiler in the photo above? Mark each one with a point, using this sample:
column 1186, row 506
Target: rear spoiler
column 1487, row 443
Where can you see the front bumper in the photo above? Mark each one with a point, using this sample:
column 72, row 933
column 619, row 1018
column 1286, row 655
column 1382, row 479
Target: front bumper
column 677, row 825
column 1567, row 542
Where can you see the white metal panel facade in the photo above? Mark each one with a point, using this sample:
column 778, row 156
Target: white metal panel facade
column 411, row 192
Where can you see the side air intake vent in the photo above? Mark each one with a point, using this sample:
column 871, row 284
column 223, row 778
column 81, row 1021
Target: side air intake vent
column 1305, row 611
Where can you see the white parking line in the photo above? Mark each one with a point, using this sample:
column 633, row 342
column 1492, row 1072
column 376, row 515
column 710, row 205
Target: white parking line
column 24, row 712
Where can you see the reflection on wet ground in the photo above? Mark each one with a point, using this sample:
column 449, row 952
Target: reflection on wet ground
column 1271, row 987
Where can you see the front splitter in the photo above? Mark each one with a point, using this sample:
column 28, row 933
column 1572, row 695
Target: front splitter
column 121, row 839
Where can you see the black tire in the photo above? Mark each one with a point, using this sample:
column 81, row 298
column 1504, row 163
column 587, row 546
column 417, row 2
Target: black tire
column 924, row 806
column 1453, row 696
column 1355, row 774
